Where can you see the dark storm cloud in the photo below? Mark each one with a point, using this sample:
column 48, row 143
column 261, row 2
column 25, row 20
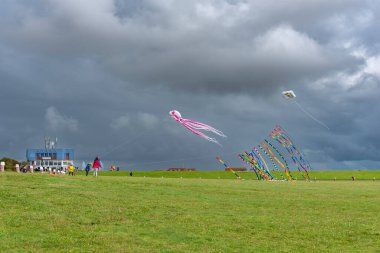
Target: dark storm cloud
column 102, row 75
column 213, row 46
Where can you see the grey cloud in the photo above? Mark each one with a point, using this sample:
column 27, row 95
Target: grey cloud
column 56, row 121
column 143, row 119
column 122, row 121
column 192, row 46
column 147, row 119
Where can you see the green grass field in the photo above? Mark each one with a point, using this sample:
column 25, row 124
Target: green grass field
column 44, row 213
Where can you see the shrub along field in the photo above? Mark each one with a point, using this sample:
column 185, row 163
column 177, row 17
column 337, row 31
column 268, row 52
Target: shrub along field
column 60, row 213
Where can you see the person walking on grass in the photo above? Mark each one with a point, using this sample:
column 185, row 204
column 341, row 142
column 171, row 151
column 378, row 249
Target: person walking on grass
column 87, row 169
column 96, row 165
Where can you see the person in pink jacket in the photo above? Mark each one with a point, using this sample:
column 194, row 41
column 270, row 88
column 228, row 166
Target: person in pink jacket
column 96, row 165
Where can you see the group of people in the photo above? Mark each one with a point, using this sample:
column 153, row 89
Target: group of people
column 70, row 169
column 51, row 170
column 96, row 166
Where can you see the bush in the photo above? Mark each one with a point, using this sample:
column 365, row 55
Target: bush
column 10, row 163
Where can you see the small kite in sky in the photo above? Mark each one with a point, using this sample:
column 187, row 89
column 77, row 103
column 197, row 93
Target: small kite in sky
column 195, row 126
column 290, row 95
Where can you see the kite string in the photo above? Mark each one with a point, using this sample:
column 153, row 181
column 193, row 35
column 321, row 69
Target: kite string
column 311, row 116
column 127, row 141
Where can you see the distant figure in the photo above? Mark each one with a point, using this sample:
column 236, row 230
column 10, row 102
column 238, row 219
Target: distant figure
column 353, row 178
column 87, row 169
column 117, row 168
column 96, row 165
column 131, row 174
column 71, row 170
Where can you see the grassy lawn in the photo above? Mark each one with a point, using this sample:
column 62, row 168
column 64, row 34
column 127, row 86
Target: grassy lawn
column 44, row 213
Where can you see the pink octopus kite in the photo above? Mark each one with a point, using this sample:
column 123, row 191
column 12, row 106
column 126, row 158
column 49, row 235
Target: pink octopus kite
column 195, row 126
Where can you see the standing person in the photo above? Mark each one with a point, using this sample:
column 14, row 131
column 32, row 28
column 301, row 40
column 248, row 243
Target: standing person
column 96, row 165
column 87, row 169
column 71, row 170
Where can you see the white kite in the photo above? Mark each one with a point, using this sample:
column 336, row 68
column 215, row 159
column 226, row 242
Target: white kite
column 290, row 95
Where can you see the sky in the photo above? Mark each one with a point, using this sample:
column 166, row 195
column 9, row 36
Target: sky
column 102, row 75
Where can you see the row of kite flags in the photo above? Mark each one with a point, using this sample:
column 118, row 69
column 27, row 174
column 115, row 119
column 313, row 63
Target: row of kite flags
column 267, row 162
